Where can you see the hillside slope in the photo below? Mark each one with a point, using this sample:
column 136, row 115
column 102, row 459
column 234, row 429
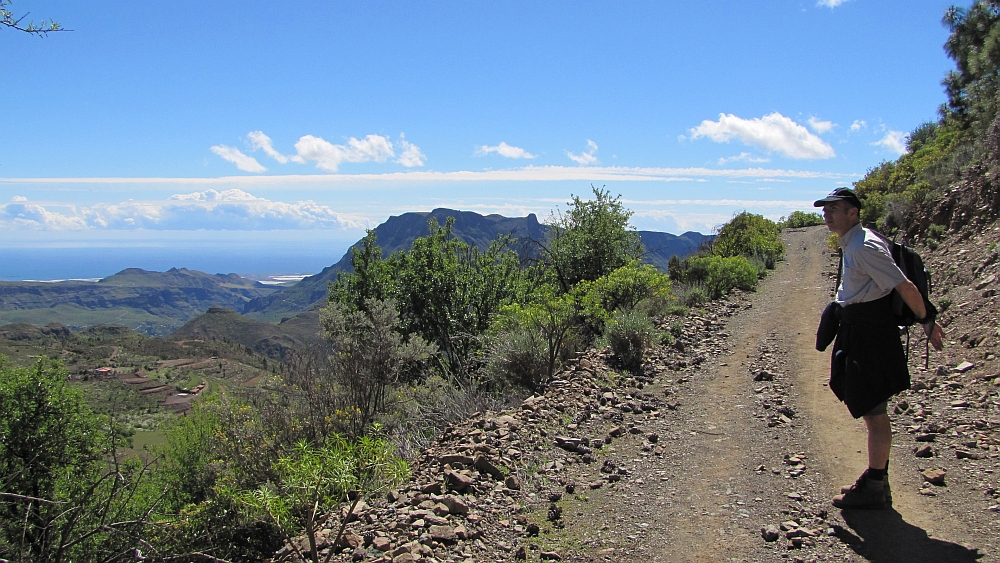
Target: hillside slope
column 276, row 341
column 154, row 303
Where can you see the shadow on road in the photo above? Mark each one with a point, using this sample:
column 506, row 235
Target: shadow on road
column 882, row 536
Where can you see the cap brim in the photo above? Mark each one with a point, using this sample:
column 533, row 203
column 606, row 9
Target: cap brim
column 826, row 200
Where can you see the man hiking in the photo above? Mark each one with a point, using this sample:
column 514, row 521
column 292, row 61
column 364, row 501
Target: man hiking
column 869, row 365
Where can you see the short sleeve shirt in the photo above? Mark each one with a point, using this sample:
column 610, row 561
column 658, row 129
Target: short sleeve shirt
column 869, row 272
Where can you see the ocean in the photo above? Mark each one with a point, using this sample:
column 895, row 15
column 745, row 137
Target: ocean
column 251, row 255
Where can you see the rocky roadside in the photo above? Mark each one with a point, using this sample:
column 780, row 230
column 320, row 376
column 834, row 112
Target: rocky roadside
column 496, row 486
column 948, row 424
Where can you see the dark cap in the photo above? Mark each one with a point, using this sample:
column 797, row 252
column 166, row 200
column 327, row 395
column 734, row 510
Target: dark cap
column 840, row 194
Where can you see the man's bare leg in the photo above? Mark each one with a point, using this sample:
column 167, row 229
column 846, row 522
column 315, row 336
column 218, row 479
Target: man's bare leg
column 879, row 440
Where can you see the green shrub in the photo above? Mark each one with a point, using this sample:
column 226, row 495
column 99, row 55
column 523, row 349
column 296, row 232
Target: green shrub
column 446, row 291
column 747, row 235
column 630, row 334
column 550, row 316
column 799, row 219
column 518, row 356
column 677, row 328
column 722, row 275
column 936, row 232
column 592, row 239
column 760, row 264
column 693, row 295
column 371, row 356
column 623, row 289
column 313, row 481
column 68, row 493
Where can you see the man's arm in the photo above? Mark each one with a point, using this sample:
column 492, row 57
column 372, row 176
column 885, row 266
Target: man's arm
column 911, row 295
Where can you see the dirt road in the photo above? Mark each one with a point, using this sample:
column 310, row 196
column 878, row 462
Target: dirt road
column 759, row 440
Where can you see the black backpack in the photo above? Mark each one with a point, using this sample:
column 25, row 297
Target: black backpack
column 913, row 268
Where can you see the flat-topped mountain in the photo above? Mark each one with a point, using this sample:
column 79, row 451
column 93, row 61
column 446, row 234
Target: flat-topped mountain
column 396, row 233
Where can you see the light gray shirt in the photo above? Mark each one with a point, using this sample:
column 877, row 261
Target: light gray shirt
column 869, row 270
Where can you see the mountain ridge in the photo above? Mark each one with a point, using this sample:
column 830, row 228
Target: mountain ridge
column 399, row 231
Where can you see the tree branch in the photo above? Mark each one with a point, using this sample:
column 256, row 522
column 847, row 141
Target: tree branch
column 30, row 499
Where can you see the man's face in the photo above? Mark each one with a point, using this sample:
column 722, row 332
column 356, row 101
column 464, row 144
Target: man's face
column 839, row 217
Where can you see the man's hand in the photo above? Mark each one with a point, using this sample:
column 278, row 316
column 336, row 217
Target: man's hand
column 935, row 335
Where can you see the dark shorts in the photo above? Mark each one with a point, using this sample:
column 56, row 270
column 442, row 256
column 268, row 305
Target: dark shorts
column 881, row 408
column 868, row 364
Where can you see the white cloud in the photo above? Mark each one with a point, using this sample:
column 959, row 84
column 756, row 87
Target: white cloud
column 858, row 125
column 325, row 154
column 830, row 3
column 773, row 133
column 505, row 150
column 19, row 214
column 243, row 162
column 261, row 141
column 820, row 126
column 894, row 141
column 212, row 195
column 411, row 155
column 522, row 174
column 585, row 158
column 328, row 156
column 232, row 209
column 742, row 157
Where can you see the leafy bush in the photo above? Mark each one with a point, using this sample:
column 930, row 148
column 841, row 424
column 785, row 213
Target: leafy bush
column 592, row 239
column 318, row 480
column 630, row 334
column 722, row 275
column 759, row 264
column 370, row 356
column 549, row 317
column 446, row 291
column 799, row 219
column 747, row 235
column 623, row 289
column 695, row 295
column 677, row 328
column 936, row 232
column 67, row 494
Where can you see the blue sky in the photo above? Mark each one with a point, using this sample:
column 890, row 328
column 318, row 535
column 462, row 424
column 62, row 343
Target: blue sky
column 313, row 120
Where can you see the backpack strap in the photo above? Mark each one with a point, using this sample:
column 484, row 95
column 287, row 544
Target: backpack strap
column 840, row 269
